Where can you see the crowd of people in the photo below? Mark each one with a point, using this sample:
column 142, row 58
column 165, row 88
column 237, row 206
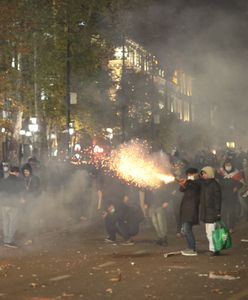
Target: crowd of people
column 208, row 187
column 19, row 188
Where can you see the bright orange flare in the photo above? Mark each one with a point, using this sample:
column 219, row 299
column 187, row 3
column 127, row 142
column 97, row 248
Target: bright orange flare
column 133, row 163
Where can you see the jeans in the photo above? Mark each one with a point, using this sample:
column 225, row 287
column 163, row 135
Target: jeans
column 158, row 217
column 187, row 230
column 210, row 227
column 9, row 215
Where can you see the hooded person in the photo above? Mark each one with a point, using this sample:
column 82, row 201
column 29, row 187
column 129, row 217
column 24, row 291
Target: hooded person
column 30, row 194
column 231, row 181
column 210, row 203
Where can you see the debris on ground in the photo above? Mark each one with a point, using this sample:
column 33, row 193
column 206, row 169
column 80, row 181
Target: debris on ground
column 217, row 291
column 244, row 240
column 172, row 253
column 222, row 275
column 109, row 291
column 6, row 266
column 107, row 264
column 60, row 277
column 67, row 295
column 33, row 284
column 118, row 276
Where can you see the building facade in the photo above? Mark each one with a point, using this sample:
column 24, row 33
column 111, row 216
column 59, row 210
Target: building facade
column 173, row 88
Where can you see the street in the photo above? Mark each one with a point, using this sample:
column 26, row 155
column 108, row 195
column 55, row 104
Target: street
column 77, row 264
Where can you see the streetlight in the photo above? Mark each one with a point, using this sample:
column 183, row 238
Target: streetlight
column 33, row 128
column 68, row 83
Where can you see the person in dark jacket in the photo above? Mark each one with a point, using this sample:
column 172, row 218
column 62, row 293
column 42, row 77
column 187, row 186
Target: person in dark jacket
column 189, row 209
column 123, row 219
column 178, row 170
column 31, row 192
column 210, row 203
column 231, row 180
column 11, row 188
column 129, row 217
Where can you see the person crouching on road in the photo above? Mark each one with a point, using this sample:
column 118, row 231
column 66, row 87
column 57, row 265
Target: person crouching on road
column 189, row 209
column 123, row 219
column 129, row 217
column 210, row 204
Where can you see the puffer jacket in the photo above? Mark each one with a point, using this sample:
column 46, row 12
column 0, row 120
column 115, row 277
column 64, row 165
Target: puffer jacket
column 210, row 198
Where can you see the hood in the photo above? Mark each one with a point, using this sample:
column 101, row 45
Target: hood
column 228, row 161
column 209, row 171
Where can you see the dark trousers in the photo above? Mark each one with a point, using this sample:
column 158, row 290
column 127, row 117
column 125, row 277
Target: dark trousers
column 176, row 209
column 127, row 230
column 114, row 226
column 187, row 230
column 110, row 226
column 229, row 214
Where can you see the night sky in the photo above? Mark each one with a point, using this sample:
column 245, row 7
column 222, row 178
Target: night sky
column 209, row 40
column 187, row 29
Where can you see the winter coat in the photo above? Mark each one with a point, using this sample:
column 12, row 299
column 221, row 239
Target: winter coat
column 31, row 186
column 210, row 201
column 11, row 189
column 129, row 214
column 189, row 209
column 229, row 182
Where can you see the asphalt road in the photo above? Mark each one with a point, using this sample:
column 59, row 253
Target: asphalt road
column 77, row 264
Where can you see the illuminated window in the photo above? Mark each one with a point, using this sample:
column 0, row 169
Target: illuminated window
column 175, row 77
column 186, row 112
column 230, row 144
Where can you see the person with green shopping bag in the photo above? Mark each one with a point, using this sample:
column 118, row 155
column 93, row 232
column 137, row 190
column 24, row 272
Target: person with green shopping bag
column 210, row 204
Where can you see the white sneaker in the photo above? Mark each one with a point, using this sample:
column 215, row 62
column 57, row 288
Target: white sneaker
column 189, row 252
column 128, row 243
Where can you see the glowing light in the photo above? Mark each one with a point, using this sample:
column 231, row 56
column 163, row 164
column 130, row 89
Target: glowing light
column 33, row 127
column 133, row 163
column 230, row 144
column 77, row 147
column 98, row 149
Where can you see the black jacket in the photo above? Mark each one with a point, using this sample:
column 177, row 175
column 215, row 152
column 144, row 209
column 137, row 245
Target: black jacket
column 189, row 209
column 11, row 189
column 210, row 201
column 31, row 186
column 129, row 214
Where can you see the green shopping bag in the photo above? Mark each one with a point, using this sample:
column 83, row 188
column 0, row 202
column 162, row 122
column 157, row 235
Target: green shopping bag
column 221, row 237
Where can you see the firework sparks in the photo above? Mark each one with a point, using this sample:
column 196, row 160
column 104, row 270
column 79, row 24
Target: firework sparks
column 133, row 163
